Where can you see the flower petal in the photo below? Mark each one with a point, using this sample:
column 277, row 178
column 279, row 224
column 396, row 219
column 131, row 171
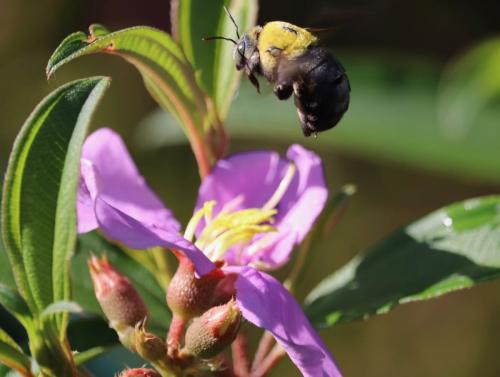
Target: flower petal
column 119, row 226
column 116, row 179
column 267, row 304
column 113, row 196
column 298, row 209
column 254, row 177
column 87, row 191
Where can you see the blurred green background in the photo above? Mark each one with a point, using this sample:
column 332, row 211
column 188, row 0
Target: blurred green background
column 392, row 144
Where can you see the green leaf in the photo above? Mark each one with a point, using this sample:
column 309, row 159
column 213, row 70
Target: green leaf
column 167, row 74
column 5, row 268
column 453, row 248
column 12, row 356
column 39, row 195
column 90, row 354
column 142, row 279
column 213, row 61
column 11, row 300
column 61, row 307
column 467, row 86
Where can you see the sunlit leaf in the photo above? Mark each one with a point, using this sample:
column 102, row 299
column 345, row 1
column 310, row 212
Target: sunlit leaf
column 12, row 356
column 90, row 354
column 467, row 86
column 61, row 307
column 167, row 74
column 213, row 61
column 142, row 279
column 38, row 213
column 453, row 248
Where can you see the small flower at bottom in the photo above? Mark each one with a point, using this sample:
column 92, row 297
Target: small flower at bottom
column 139, row 372
column 217, row 328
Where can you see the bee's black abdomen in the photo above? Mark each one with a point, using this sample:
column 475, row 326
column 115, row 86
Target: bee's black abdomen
column 321, row 91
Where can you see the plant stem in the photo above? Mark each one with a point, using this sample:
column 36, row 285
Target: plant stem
column 300, row 263
column 265, row 345
column 175, row 333
column 241, row 362
column 269, row 362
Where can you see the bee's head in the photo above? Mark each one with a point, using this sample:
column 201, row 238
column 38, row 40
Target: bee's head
column 245, row 47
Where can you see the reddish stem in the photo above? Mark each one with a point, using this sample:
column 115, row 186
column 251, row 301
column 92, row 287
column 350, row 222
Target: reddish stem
column 241, row 361
column 265, row 345
column 269, row 362
column 175, row 333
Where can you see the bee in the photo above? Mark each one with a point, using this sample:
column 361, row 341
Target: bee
column 290, row 58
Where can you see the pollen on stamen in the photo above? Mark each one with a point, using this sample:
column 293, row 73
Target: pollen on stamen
column 228, row 229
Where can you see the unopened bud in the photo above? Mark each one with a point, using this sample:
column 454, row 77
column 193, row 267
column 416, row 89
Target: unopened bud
column 148, row 345
column 119, row 300
column 139, row 372
column 209, row 334
column 188, row 296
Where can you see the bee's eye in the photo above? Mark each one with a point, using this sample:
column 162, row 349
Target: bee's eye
column 241, row 48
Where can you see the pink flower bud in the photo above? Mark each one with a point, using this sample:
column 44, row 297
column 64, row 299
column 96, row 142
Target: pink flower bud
column 139, row 372
column 188, row 296
column 119, row 300
column 209, row 334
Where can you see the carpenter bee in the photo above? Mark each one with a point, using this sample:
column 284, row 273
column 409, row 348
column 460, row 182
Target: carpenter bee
column 290, row 59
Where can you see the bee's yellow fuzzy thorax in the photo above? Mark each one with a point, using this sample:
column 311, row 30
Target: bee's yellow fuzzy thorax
column 287, row 38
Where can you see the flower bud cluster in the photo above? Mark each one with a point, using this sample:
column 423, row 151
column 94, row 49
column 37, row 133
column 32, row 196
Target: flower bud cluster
column 202, row 305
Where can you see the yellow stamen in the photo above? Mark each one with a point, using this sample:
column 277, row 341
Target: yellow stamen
column 227, row 221
column 233, row 227
column 281, row 190
column 233, row 237
column 205, row 211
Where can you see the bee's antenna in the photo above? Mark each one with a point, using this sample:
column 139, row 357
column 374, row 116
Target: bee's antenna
column 234, row 22
column 217, row 37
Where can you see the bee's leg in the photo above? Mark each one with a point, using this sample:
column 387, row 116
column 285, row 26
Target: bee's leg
column 254, row 82
column 306, row 130
column 283, row 90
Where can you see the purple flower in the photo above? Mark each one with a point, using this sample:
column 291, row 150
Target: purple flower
column 251, row 211
column 255, row 178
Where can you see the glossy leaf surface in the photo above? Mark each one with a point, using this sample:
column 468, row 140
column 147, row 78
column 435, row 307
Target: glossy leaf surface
column 451, row 249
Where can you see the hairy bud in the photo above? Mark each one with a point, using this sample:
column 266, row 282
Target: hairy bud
column 209, row 334
column 189, row 296
column 119, row 300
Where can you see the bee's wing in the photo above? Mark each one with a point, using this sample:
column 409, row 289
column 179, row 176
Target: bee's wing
column 289, row 70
